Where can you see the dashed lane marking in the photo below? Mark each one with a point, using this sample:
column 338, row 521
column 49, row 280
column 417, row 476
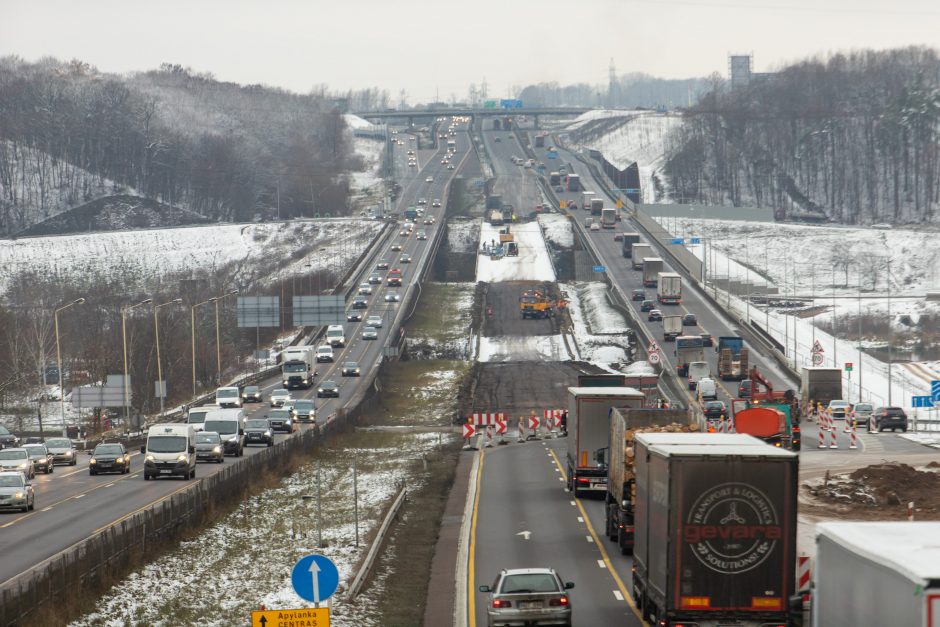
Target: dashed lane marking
column 589, row 539
column 617, row 595
column 580, row 519
column 601, row 564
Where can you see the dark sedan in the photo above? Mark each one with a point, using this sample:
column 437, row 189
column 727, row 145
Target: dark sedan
column 42, row 459
column 689, row 320
column 251, row 394
column 328, row 389
column 351, row 369
column 360, row 303
column 259, row 431
column 354, row 316
column 109, row 458
column 7, row 439
column 715, row 410
column 646, row 305
column 639, row 295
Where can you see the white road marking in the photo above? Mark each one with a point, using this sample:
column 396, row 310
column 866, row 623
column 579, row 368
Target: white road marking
column 580, row 520
column 589, row 539
column 78, row 496
column 560, row 479
column 573, row 503
column 46, row 509
column 601, row 564
column 617, row 595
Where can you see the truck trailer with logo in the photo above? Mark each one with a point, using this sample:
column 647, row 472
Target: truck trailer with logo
column 715, row 533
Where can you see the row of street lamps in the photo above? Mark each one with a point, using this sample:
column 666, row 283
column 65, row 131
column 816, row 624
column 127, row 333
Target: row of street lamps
column 161, row 392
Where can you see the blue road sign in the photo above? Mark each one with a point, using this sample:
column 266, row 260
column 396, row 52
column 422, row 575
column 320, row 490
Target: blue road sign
column 921, row 401
column 315, row 578
column 552, row 155
column 632, row 191
column 678, row 240
column 600, row 268
column 696, row 240
column 935, row 391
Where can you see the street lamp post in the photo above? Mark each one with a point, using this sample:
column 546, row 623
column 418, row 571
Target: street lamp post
column 192, row 323
column 124, row 338
column 218, row 346
column 156, row 333
column 58, row 352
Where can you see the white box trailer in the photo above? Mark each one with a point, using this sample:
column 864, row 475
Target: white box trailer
column 589, row 431
column 638, row 252
column 877, row 573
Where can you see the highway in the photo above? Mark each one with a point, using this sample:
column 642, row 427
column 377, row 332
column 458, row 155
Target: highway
column 71, row 505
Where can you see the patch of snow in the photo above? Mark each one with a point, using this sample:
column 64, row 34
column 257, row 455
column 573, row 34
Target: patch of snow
column 597, row 114
column 532, row 264
column 463, row 236
column 599, row 329
column 557, row 229
column 355, row 122
column 369, row 178
column 523, row 348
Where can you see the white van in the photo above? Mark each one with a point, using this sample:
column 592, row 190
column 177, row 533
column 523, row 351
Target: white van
column 324, row 353
column 228, row 397
column 170, row 451
column 197, row 415
column 336, row 335
column 707, row 389
column 229, row 424
column 698, row 370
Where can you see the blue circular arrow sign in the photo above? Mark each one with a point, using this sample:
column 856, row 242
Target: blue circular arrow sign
column 315, row 578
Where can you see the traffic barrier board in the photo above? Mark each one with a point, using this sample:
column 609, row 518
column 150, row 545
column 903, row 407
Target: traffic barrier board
column 935, row 391
column 468, row 431
column 312, row 617
column 534, row 423
column 315, row 578
column 922, row 401
column 600, row 268
column 495, row 419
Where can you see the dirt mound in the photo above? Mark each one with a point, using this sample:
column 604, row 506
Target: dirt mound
column 121, row 212
column 884, row 489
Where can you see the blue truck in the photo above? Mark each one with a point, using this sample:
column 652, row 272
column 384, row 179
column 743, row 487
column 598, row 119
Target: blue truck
column 732, row 358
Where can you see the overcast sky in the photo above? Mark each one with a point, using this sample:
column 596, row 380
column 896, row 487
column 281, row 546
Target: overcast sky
column 439, row 48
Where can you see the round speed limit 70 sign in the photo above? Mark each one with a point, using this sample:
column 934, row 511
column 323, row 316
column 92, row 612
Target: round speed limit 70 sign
column 817, row 359
column 653, row 358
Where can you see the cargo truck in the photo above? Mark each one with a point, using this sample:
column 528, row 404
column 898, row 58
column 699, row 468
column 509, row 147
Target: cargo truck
column 689, row 348
column 597, row 206
column 608, row 217
column 586, row 198
column 639, row 252
column 820, row 385
column 669, row 290
column 620, row 475
column 652, row 266
column 574, row 183
column 877, row 573
column 629, row 239
column 732, row 358
column 297, row 368
column 715, row 534
column 588, row 433
column 672, row 327
column 540, row 141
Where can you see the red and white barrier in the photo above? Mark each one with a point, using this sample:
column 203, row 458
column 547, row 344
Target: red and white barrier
column 832, row 437
column 804, row 570
column 822, row 436
column 853, row 442
column 910, row 510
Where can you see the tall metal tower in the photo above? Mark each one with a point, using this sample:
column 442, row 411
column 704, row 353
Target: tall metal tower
column 613, row 87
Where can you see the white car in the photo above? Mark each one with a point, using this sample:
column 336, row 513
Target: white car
column 324, row 353
column 392, row 297
column 422, row 201
column 374, row 321
column 370, row 333
column 430, row 179
column 365, row 288
column 279, row 397
column 436, row 202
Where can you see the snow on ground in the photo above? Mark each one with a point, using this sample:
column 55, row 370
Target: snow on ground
column 597, row 114
column 463, row 236
column 155, row 253
column 557, row 229
column 355, row 122
column 249, row 552
column 532, row 264
column 366, row 180
column 599, row 329
column 523, row 348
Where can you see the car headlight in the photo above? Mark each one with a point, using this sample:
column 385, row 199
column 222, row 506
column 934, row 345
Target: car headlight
column 217, row 449
column 268, row 433
column 94, row 461
column 285, row 381
column 119, row 460
column 149, row 458
column 68, row 453
column 182, row 458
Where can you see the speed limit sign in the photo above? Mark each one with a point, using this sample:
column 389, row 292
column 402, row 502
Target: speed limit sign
column 817, row 359
column 653, row 358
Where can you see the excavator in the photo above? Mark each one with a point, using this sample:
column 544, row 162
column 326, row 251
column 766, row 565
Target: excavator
column 786, row 404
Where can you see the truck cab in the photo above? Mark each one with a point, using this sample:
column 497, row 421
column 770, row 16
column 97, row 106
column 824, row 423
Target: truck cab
column 170, row 451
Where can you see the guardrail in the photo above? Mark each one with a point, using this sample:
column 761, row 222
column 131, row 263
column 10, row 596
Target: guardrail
column 359, row 580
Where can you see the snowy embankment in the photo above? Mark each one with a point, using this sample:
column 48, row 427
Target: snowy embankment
column 463, row 236
column 807, row 261
column 557, row 229
column 599, row 329
column 150, row 254
column 532, row 264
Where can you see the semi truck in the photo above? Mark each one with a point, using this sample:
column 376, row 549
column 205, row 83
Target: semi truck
column 767, row 424
column 608, row 217
column 638, row 252
column 732, row 358
column 620, row 475
column 597, row 206
column 672, row 327
column 652, row 266
column 554, row 178
column 298, row 367
column 669, row 290
column 715, row 533
column 586, row 198
column 689, row 348
column 496, row 217
column 629, row 239
column 588, row 433
column 411, row 213
column 820, row 385
column 896, row 563
column 574, row 183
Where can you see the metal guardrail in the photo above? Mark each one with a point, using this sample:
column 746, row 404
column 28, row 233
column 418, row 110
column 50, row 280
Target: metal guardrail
column 356, row 585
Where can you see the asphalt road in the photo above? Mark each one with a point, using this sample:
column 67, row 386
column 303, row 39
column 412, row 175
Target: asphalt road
column 71, row 505
column 503, row 300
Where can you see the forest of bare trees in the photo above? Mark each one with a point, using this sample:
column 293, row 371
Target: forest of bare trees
column 628, row 91
column 69, row 134
column 850, row 138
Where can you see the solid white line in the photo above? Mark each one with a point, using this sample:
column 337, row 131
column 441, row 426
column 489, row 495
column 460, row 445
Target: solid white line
column 589, row 539
column 617, row 595
column 46, row 509
column 580, row 520
column 78, row 496
column 601, row 564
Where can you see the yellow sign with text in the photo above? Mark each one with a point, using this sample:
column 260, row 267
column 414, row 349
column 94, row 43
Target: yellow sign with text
column 310, row 617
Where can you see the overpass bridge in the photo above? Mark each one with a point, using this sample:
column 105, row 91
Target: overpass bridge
column 436, row 112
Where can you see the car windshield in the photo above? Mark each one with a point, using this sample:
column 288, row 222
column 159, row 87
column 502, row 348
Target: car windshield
column 251, row 389
column 714, row 405
column 166, row 444
column 257, row 424
column 108, row 449
column 303, row 405
column 280, row 393
column 350, row 364
column 222, row 427
column 12, row 481
column 863, row 407
column 35, row 449
column 59, row 443
column 208, row 438
column 226, row 393
column 280, row 414
column 529, row 582
column 301, row 367
column 325, row 350
column 327, row 385
column 196, row 417
column 21, row 454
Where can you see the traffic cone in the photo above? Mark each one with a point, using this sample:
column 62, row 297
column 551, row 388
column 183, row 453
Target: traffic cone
column 832, row 437
column 822, row 436
column 853, row 444
column 871, row 424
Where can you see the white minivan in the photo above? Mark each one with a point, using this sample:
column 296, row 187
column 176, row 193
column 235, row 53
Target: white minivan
column 707, row 389
column 228, row 397
column 229, row 424
column 698, row 370
column 336, row 335
column 197, row 415
column 170, row 451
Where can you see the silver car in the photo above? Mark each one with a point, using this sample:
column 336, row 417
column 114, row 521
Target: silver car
column 16, row 492
column 370, row 333
column 209, row 447
column 41, row 458
column 17, row 459
column 528, row 596
column 62, row 450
